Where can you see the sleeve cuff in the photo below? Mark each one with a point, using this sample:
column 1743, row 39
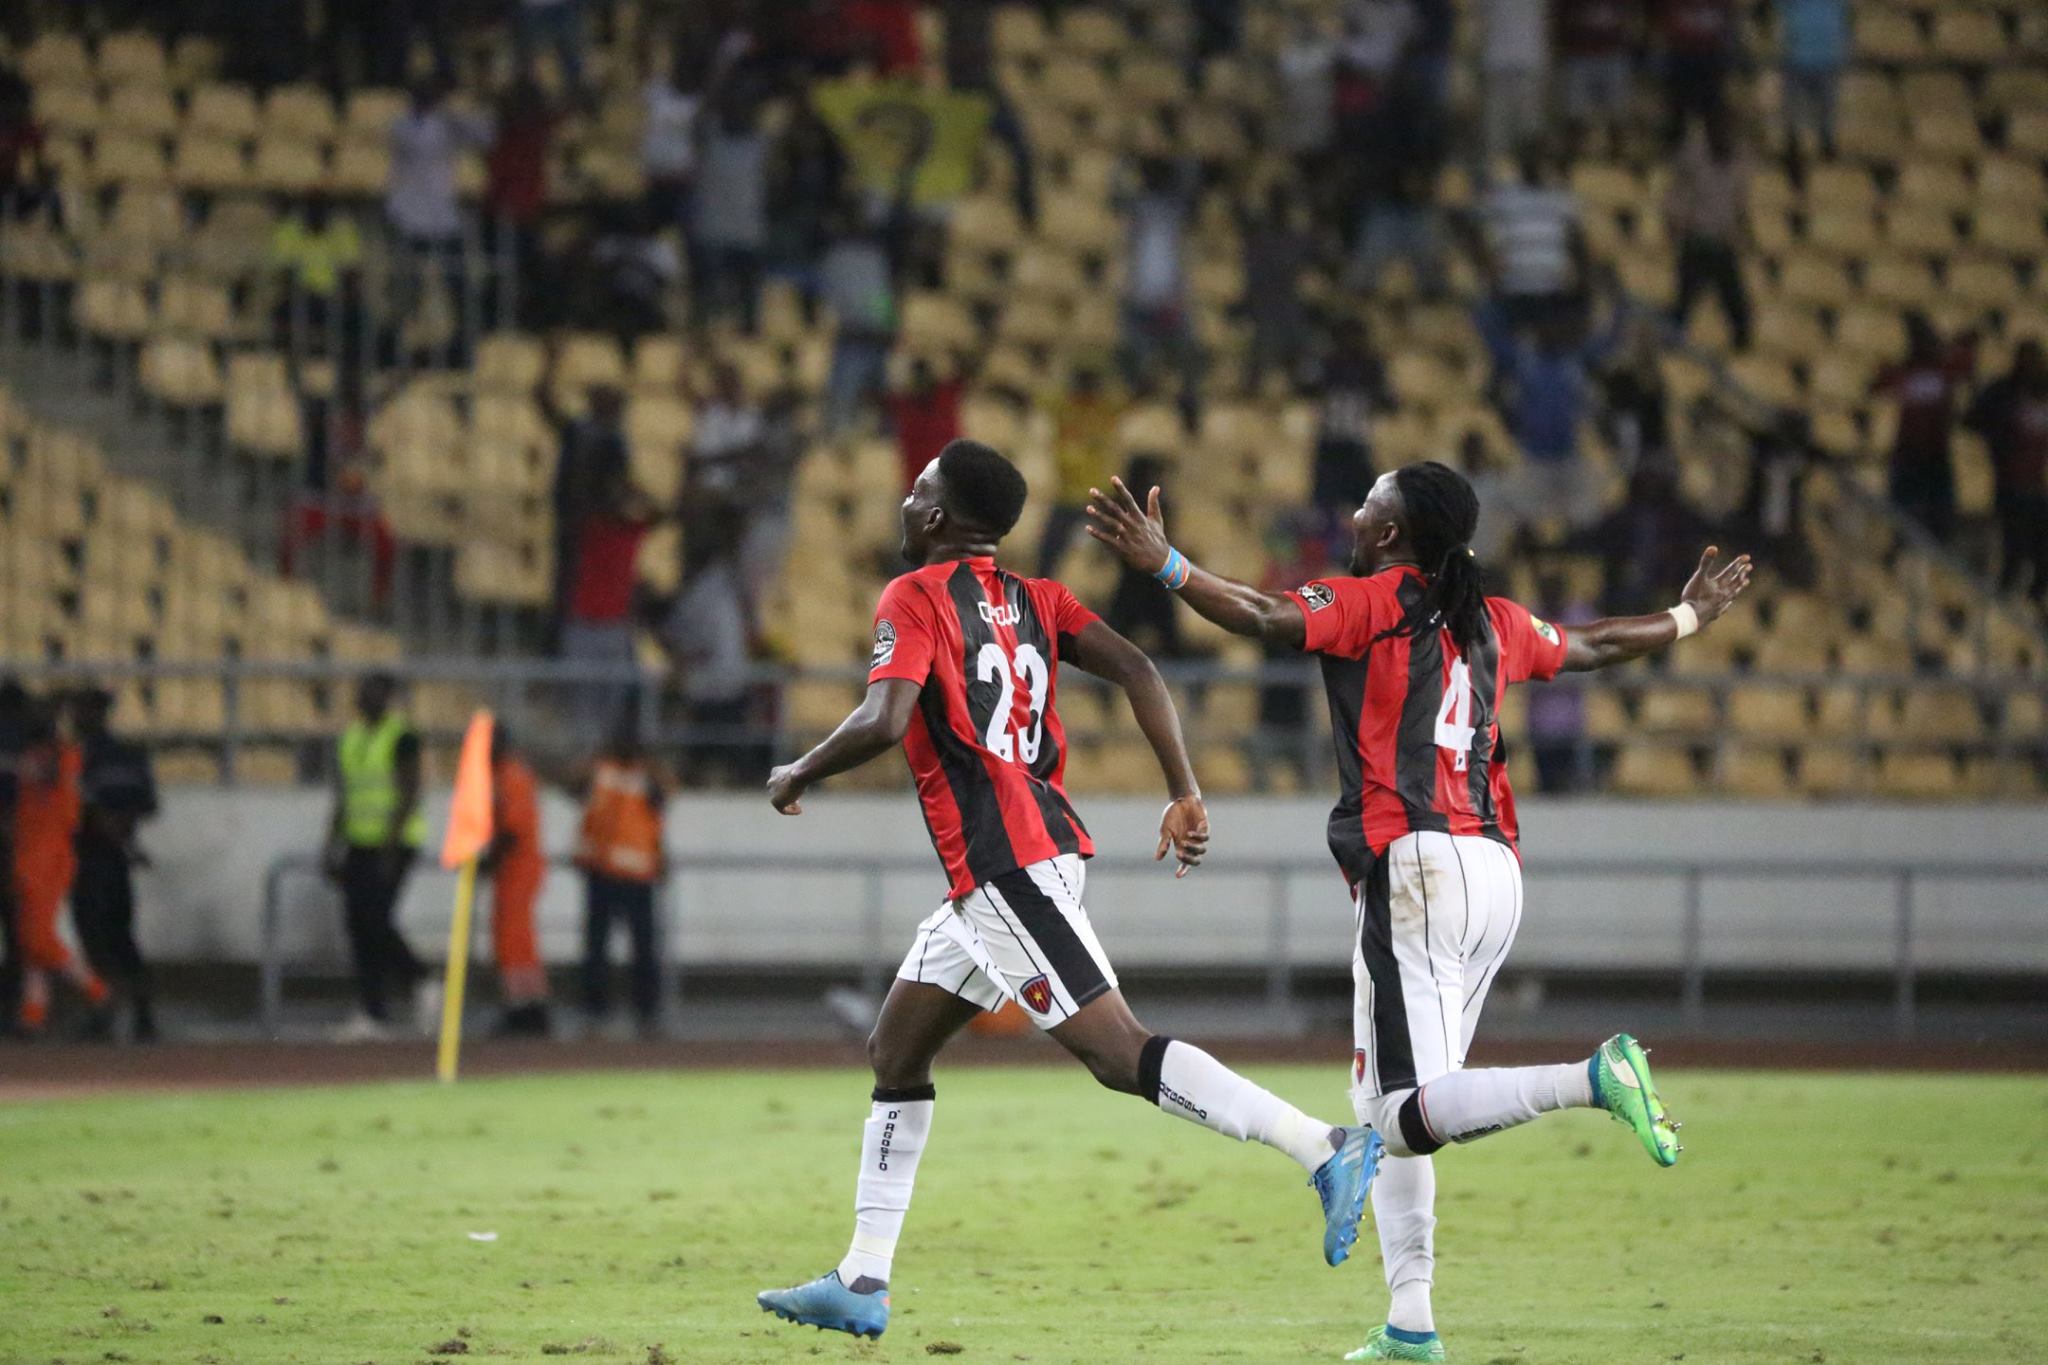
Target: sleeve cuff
column 1309, row 632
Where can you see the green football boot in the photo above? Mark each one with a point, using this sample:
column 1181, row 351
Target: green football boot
column 1622, row 1086
column 1388, row 1343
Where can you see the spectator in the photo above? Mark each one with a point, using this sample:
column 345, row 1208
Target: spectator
column 1543, row 385
column 1533, row 245
column 318, row 254
column 670, row 107
column 1814, row 38
column 1307, row 65
column 1376, row 37
column 637, row 270
column 857, row 282
column 1349, row 385
column 706, row 639
column 1489, row 475
column 806, row 184
column 1700, row 41
column 1429, row 49
column 1596, row 42
column 119, row 792
column 1638, row 415
column 1514, row 77
column 925, row 414
column 557, row 24
column 1927, row 387
column 516, row 174
column 726, row 438
column 1557, row 715
column 765, row 491
column 1156, row 325
column 598, row 629
column 1653, row 535
column 732, row 211
column 1084, row 445
column 1772, row 516
column 2011, row 414
column 970, row 67
column 1141, row 609
column 378, row 33
column 24, row 176
column 620, row 853
column 1401, row 153
column 420, row 201
column 1219, row 28
column 374, row 836
column 1706, row 210
column 1277, row 252
column 592, row 456
column 517, row 867
column 346, row 515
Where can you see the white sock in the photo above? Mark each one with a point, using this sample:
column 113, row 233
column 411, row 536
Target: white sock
column 1404, row 1210
column 1200, row 1089
column 890, row 1146
column 1464, row 1105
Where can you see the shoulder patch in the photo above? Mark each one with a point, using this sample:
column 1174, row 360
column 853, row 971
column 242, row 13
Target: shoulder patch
column 1543, row 628
column 1317, row 595
column 885, row 644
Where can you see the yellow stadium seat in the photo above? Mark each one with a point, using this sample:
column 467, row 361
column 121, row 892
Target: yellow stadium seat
column 132, row 57
column 1755, row 773
column 1041, row 272
column 67, row 109
column 936, row 322
column 148, row 213
column 113, row 309
column 2009, row 229
column 2026, row 132
column 1935, row 184
column 1989, row 284
column 301, row 112
column 1678, row 710
column 223, row 110
column 2026, row 716
column 1020, row 32
column 1092, row 32
column 262, row 411
column 2010, row 180
column 360, row 168
column 1948, row 714
column 1913, row 775
column 1841, row 188
column 1969, row 35
column 286, row 165
column 371, row 111
column 1832, row 771
column 1769, row 711
column 1788, row 331
column 1887, row 35
column 1074, row 85
column 181, row 371
column 1924, row 229
column 194, row 59
column 1814, row 280
column 1901, row 281
column 1946, row 132
column 1079, row 224
column 203, row 162
column 658, row 364
column 1842, row 231
column 58, row 56
column 144, row 110
column 1871, row 332
column 1654, row 770
column 127, row 160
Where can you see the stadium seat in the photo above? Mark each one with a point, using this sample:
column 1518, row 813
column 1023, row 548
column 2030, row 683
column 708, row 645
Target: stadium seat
column 1656, row 771
column 56, row 56
column 300, row 112
column 1754, row 773
column 132, row 58
column 1962, row 34
column 143, row 110
column 127, row 160
column 212, row 164
column 1951, row 715
column 1914, row 775
column 285, row 165
column 1832, row 771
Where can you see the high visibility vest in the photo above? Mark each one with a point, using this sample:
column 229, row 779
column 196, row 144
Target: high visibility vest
column 369, row 784
column 621, row 823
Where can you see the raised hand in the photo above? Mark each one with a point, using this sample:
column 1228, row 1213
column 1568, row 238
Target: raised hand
column 1137, row 534
column 1714, row 587
column 1184, row 828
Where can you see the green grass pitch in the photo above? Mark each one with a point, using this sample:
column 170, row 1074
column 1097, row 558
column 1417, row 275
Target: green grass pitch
column 1813, row 1219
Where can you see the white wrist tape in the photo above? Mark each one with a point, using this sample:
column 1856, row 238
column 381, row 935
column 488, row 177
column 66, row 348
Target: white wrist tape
column 1687, row 619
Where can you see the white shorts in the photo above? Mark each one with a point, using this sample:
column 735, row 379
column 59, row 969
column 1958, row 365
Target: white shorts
column 1435, row 919
column 1022, row 936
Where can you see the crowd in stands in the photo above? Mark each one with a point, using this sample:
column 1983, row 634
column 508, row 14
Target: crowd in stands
column 1384, row 181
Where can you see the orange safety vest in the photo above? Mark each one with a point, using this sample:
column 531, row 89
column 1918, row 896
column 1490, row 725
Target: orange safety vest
column 46, row 815
column 621, row 823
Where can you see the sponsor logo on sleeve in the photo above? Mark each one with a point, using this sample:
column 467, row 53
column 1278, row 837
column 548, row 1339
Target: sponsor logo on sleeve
column 1544, row 628
column 885, row 644
column 1317, row 595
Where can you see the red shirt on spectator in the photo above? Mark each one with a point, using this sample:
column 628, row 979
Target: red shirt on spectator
column 1926, row 393
column 516, row 171
column 886, row 30
column 606, row 552
column 924, row 422
column 19, row 143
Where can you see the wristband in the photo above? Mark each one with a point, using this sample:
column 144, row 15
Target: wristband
column 1687, row 619
column 1174, row 572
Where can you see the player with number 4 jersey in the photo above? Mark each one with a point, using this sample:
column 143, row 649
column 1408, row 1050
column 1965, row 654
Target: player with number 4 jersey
column 964, row 673
column 1416, row 660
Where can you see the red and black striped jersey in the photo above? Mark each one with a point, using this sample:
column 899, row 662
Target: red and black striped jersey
column 985, row 744
column 1416, row 722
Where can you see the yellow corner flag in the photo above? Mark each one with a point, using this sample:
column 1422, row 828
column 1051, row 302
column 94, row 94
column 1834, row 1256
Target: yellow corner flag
column 469, row 834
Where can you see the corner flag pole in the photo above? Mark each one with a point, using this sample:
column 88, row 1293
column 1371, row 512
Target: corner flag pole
column 469, row 835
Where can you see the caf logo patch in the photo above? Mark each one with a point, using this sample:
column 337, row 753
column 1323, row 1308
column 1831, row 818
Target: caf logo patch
column 1544, row 628
column 1037, row 994
column 1358, row 1066
column 885, row 644
column 1317, row 595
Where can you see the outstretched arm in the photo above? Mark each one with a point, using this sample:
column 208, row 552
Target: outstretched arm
column 1617, row 639
column 1138, row 535
column 876, row 726
column 1184, row 827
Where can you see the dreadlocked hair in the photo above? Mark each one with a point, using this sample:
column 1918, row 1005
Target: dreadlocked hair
column 1440, row 512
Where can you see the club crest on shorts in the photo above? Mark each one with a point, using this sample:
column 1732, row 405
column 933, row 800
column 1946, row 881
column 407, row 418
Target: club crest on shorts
column 1037, row 994
column 885, row 644
column 1317, row 595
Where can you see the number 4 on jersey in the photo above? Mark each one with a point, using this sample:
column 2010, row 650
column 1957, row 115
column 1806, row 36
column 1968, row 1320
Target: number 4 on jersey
column 1454, row 718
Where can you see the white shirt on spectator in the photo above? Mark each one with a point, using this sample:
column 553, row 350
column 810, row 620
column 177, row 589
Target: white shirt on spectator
column 668, row 133
column 723, row 435
column 707, row 629
column 1376, row 31
column 1529, row 230
column 1155, row 269
column 1307, row 72
column 732, row 204
column 1516, row 35
column 420, row 198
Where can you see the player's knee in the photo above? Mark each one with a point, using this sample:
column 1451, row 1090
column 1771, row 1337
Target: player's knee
column 1114, row 1065
column 893, row 1066
column 1382, row 1113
